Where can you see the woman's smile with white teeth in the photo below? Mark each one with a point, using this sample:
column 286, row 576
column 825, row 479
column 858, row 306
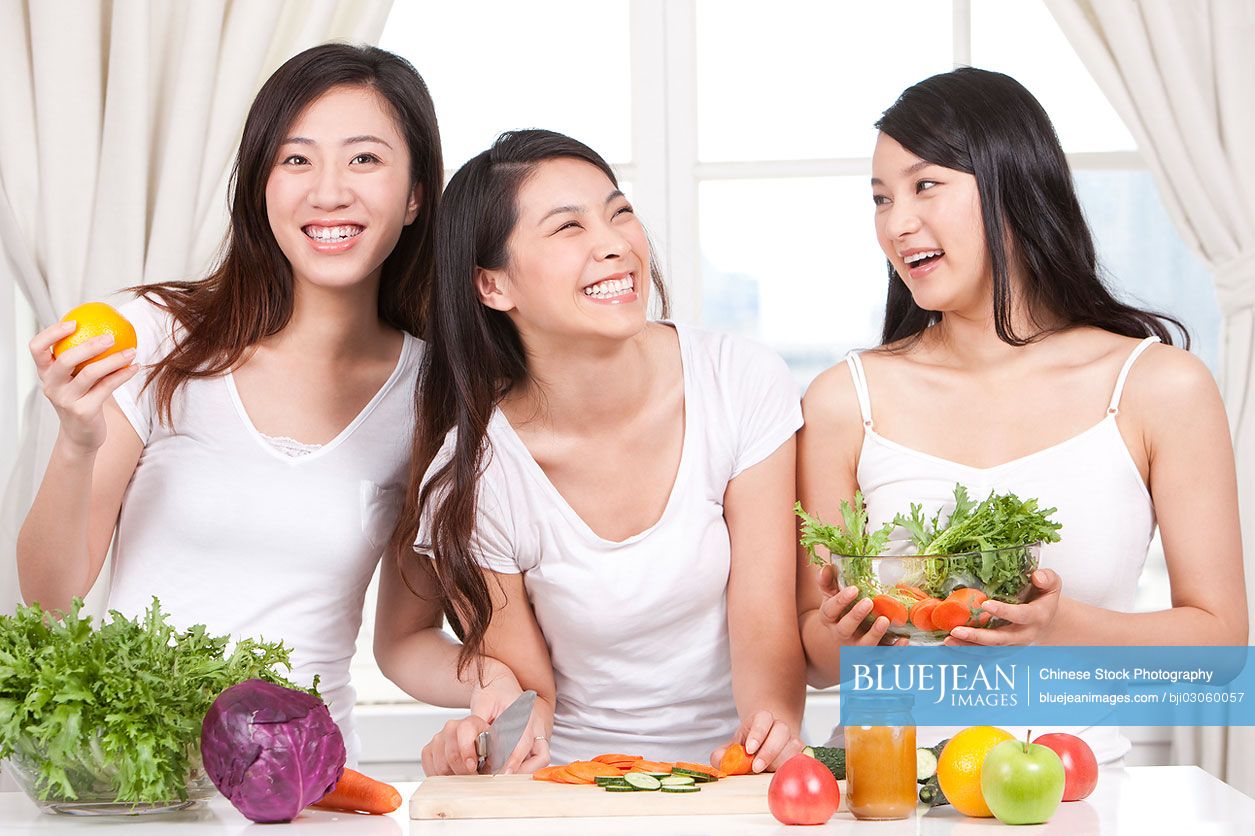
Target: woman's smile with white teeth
column 333, row 233
column 920, row 256
column 612, row 287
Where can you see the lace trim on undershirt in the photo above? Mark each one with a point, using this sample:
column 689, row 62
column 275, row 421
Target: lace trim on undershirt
column 290, row 446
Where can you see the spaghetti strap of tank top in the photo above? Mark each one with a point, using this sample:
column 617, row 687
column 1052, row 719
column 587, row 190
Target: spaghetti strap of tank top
column 864, row 396
column 1113, row 408
column 860, row 387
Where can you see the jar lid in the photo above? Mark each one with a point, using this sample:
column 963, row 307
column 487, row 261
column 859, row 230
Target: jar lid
column 879, row 701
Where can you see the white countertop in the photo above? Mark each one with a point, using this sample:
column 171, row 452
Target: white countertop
column 1132, row 801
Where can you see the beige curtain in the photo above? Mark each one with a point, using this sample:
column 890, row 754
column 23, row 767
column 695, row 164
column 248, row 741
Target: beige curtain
column 119, row 121
column 1182, row 76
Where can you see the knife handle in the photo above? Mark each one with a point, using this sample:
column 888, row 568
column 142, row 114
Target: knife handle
column 481, row 748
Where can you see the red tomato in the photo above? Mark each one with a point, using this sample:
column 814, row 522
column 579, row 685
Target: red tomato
column 1080, row 767
column 803, row 791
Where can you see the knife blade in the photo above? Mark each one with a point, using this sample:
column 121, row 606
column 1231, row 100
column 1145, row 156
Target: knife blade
column 495, row 745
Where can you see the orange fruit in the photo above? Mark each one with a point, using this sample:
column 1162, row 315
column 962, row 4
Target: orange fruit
column 958, row 768
column 96, row 319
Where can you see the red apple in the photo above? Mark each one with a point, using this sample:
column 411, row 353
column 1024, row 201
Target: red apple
column 803, row 791
column 1080, row 767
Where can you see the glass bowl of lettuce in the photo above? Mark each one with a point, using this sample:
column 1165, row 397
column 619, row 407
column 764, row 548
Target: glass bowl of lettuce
column 105, row 718
column 926, row 596
column 937, row 576
column 86, row 783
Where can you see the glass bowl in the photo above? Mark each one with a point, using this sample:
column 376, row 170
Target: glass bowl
column 95, row 784
column 895, row 581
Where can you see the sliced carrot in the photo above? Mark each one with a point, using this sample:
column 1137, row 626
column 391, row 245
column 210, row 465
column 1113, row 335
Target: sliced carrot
column 736, row 761
column 922, row 614
column 652, row 766
column 968, row 595
column 358, row 793
column 618, row 760
column 564, row 776
column 914, row 591
column 590, row 770
column 891, row 608
column 950, row 614
column 546, row 773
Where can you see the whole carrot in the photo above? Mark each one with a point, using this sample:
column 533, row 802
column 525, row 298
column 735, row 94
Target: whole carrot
column 357, row 793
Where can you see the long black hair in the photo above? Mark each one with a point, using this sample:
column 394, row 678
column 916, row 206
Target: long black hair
column 474, row 357
column 988, row 125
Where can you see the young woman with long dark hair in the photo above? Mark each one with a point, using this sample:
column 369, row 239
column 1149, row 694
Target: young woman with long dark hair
column 252, row 459
column 604, row 498
column 1006, row 364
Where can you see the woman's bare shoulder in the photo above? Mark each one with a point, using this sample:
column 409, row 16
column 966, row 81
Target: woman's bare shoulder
column 831, row 392
column 1168, row 377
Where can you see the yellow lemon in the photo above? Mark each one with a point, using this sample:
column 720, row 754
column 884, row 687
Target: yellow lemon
column 958, row 768
column 96, row 319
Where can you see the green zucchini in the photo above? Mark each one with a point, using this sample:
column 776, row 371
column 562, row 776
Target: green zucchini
column 699, row 777
column 831, row 757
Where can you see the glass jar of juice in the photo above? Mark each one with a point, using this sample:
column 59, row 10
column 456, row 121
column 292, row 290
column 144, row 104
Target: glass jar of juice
column 880, row 758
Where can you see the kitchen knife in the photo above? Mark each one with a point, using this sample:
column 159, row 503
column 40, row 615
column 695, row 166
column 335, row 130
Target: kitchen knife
column 495, row 745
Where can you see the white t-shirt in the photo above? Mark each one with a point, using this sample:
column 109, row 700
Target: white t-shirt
column 230, row 532
column 638, row 630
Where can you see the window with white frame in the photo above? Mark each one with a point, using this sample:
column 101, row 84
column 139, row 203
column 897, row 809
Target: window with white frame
column 744, row 131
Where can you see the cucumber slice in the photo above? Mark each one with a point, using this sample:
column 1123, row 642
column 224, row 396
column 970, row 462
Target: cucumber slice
column 658, row 775
column 610, row 780
column 699, row 777
column 809, row 751
column 618, row 788
column 678, row 781
column 930, row 793
column 642, row 781
column 690, row 788
column 925, row 764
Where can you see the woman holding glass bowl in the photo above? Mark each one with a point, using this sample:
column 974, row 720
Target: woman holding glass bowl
column 1007, row 365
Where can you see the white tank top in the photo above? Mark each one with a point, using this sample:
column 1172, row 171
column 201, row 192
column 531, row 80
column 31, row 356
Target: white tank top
column 1106, row 511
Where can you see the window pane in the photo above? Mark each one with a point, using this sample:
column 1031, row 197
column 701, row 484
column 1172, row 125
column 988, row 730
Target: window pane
column 558, row 64
column 795, row 264
column 1144, row 257
column 1047, row 65
column 803, row 79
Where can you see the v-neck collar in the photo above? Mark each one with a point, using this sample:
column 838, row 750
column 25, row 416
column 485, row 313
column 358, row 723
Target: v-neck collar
column 407, row 347
column 510, row 435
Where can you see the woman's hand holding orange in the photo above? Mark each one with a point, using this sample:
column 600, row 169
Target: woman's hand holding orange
column 79, row 398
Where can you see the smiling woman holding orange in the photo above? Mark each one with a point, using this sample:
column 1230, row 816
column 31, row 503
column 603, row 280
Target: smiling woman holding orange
column 1006, row 364
column 252, row 459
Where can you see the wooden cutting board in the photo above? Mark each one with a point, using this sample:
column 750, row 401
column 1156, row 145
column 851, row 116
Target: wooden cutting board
column 518, row 796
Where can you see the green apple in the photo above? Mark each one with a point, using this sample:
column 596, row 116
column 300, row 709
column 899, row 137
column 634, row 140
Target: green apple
column 1022, row 782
